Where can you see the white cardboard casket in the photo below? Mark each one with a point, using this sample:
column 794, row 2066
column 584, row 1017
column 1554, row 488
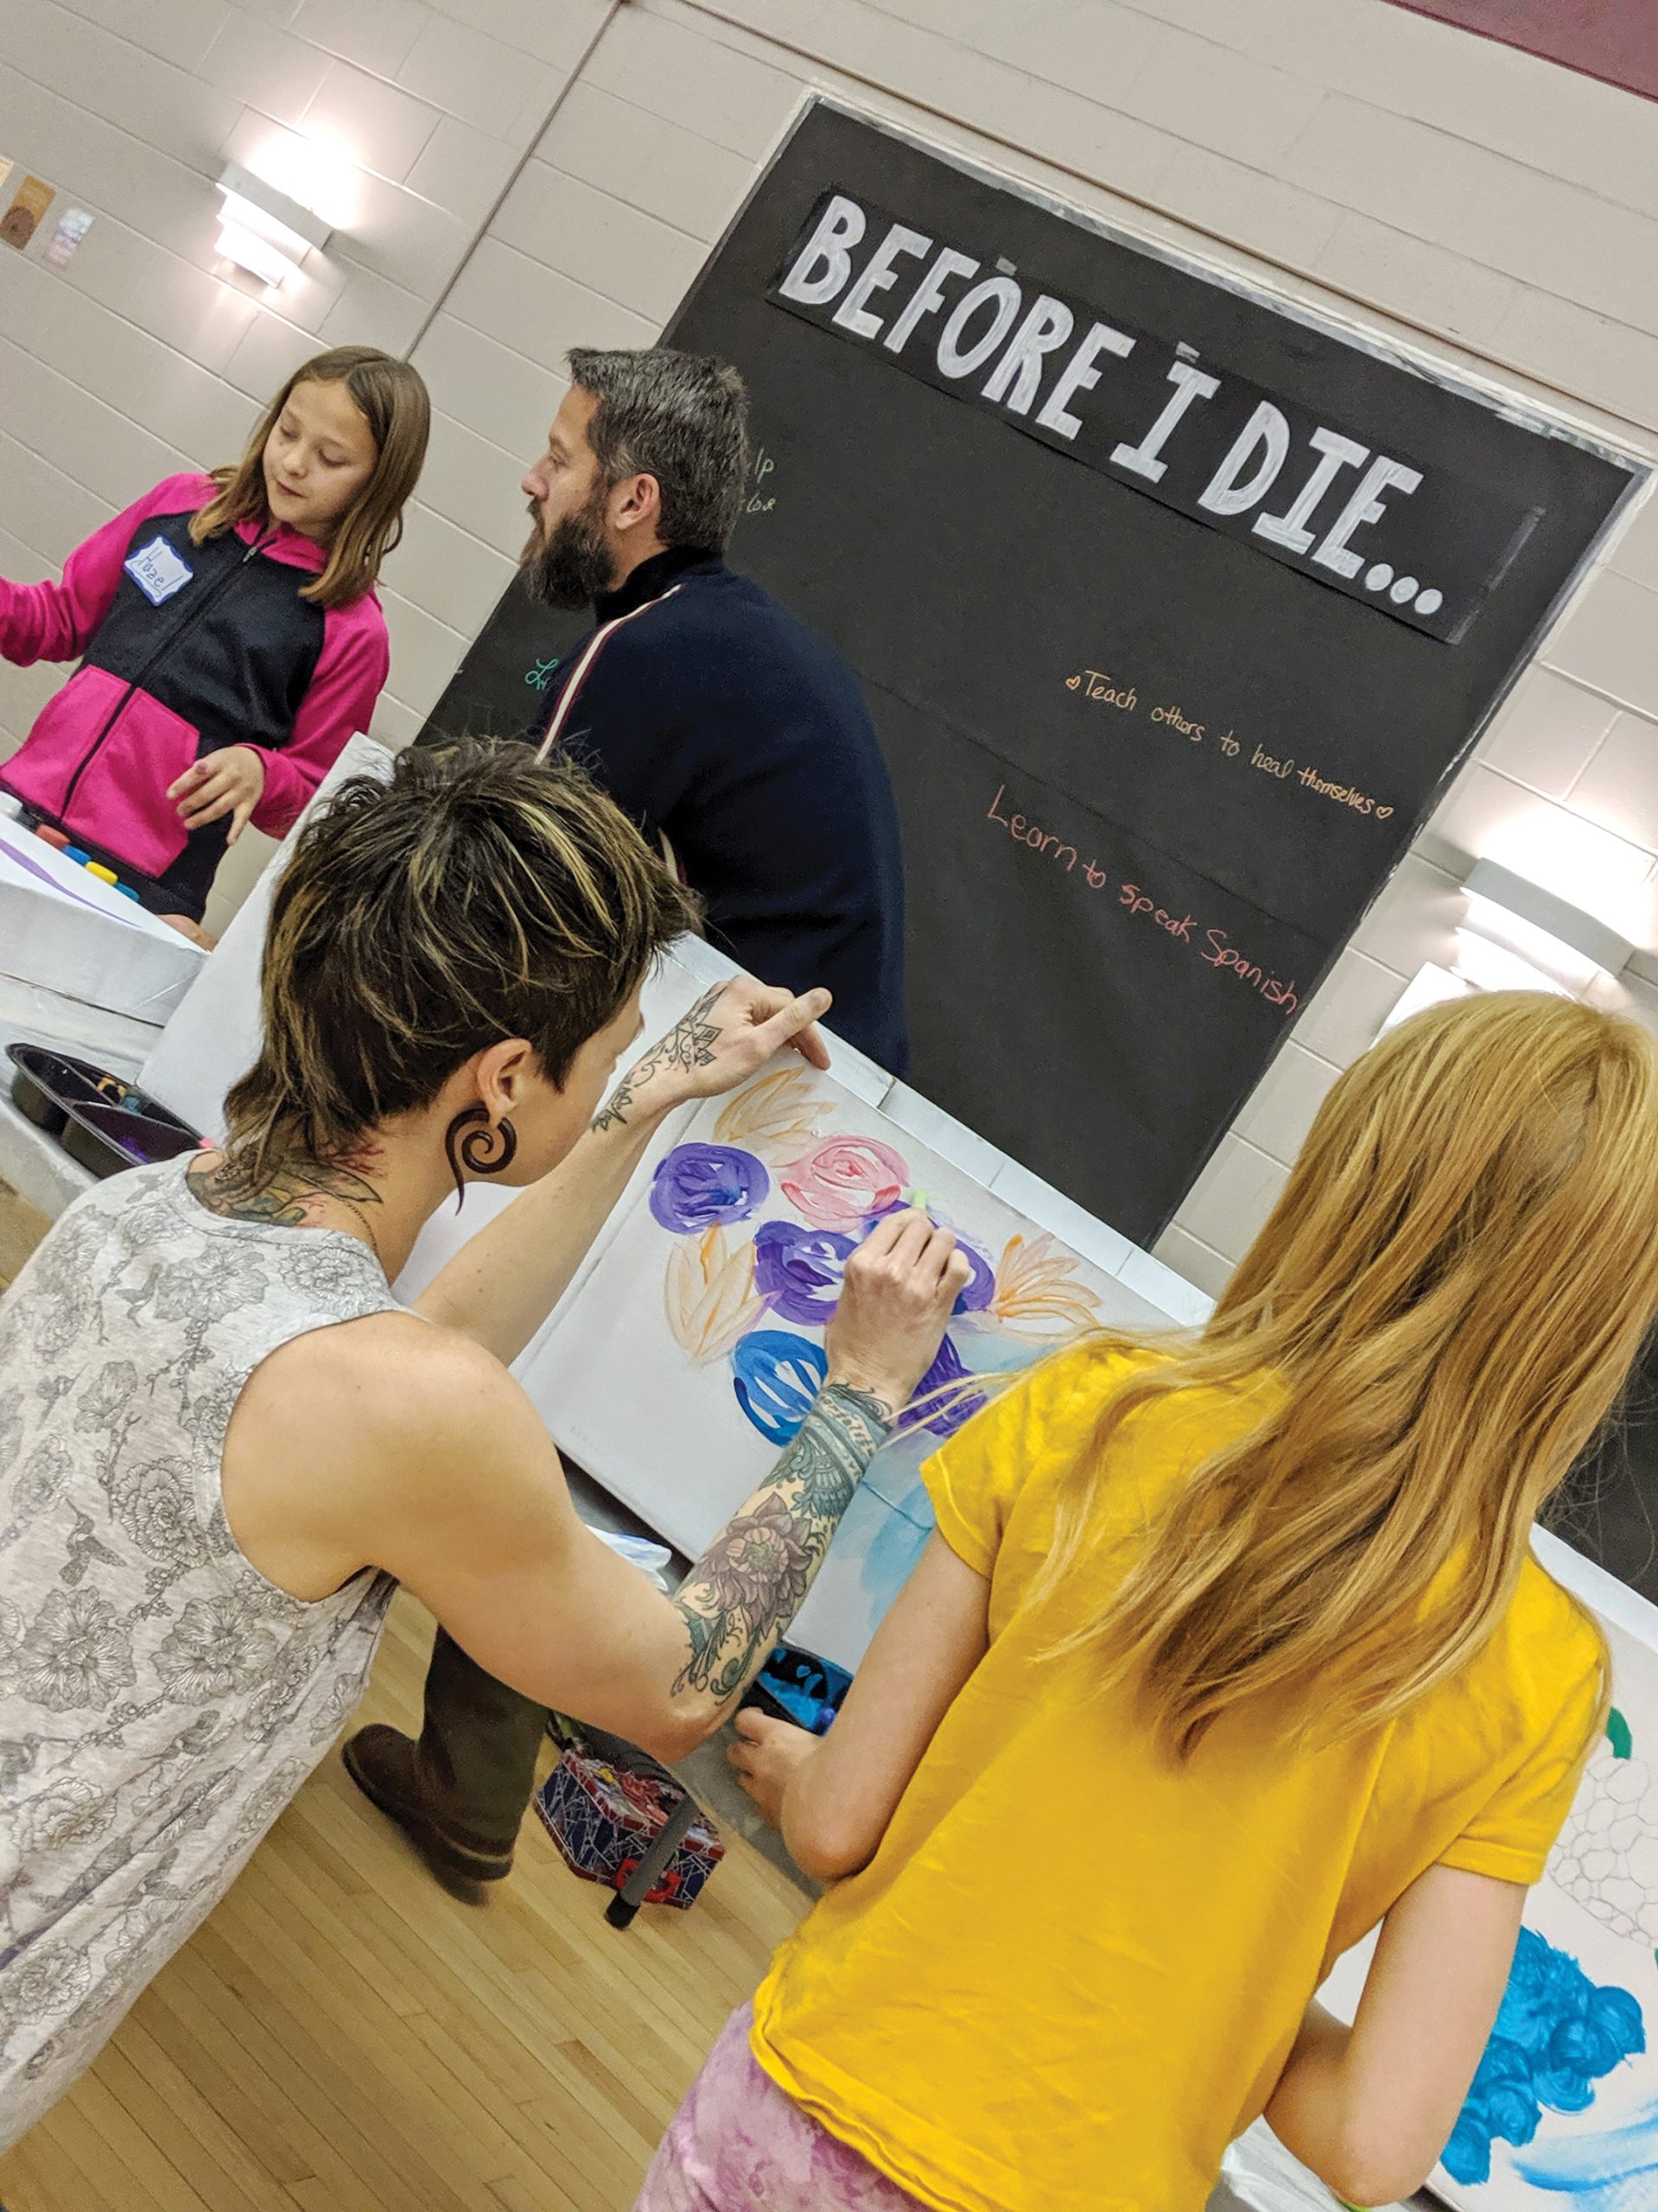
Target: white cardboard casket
column 65, row 930
column 214, row 1036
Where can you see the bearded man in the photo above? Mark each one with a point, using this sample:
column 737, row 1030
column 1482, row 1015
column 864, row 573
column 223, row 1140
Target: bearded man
column 710, row 713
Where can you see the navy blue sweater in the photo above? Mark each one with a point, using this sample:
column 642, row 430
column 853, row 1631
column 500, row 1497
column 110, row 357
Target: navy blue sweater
column 717, row 718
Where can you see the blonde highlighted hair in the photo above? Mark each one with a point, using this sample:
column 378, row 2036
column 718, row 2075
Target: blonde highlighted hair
column 1452, row 1289
column 393, row 401
column 479, row 896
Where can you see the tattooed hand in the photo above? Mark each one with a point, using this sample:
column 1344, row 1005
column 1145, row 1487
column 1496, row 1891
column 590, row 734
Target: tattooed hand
column 728, row 1035
column 752, row 1580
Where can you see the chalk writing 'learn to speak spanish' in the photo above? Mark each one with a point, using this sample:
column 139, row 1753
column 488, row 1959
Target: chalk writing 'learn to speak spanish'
column 1212, row 946
column 1104, row 689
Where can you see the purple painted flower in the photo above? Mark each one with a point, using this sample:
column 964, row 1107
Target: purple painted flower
column 797, row 1271
column 700, row 1184
column 981, row 1285
column 776, row 1375
column 944, row 1415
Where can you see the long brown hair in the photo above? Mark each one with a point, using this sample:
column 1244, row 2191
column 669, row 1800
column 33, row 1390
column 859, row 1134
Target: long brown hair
column 1452, row 1289
column 479, row 896
column 394, row 402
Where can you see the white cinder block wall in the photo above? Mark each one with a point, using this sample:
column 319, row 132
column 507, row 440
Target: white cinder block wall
column 1494, row 210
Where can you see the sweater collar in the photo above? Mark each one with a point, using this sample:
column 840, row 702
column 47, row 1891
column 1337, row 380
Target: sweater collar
column 286, row 545
column 651, row 578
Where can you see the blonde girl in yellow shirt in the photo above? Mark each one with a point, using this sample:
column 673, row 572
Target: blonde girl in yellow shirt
column 1225, row 1651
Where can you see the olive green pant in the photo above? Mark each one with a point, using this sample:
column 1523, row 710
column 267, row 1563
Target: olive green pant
column 478, row 1747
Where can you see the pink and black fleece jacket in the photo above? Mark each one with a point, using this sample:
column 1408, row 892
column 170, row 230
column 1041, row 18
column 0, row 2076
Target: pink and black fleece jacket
column 184, row 649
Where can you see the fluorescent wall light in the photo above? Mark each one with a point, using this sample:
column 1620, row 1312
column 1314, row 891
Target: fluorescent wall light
column 258, row 256
column 1517, row 937
column 261, row 230
column 1538, row 925
column 1488, row 966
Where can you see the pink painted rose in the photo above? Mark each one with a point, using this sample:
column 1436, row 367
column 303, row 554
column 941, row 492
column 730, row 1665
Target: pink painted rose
column 844, row 1182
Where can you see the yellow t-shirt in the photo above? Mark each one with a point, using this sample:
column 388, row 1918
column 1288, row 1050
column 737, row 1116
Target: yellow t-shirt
column 1074, row 1969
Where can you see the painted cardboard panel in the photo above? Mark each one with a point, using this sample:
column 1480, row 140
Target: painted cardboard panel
column 1563, row 2110
column 685, row 1355
column 1564, row 2106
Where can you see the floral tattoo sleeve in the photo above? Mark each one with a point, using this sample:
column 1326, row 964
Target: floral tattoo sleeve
column 753, row 1578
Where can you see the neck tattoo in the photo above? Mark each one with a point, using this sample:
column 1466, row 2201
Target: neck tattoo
column 291, row 1194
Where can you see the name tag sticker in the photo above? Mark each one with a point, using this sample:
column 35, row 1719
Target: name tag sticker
column 157, row 571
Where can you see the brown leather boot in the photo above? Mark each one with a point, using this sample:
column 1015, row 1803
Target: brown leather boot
column 385, row 1766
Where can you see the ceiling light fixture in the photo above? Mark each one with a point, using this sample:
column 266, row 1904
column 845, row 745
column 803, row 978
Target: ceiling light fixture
column 261, row 230
column 1515, row 936
column 1538, row 925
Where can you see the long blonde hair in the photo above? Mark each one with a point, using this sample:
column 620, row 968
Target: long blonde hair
column 1452, row 1288
column 394, row 402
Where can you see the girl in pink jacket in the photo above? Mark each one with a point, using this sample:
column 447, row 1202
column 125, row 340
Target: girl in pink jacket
column 228, row 633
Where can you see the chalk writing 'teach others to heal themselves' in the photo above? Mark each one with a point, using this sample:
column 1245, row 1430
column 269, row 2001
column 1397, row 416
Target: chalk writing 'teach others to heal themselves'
column 1310, row 779
column 1095, row 684
column 1107, row 691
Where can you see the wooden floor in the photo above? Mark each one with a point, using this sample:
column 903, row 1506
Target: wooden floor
column 20, row 1229
column 341, row 2036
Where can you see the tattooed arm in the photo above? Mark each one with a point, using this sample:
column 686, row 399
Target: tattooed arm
column 753, row 1578
column 691, row 1045
column 457, row 1492
column 501, row 1285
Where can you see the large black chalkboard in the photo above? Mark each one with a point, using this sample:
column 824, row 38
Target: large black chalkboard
column 1152, row 760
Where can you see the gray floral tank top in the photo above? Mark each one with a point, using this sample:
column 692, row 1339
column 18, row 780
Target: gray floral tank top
column 160, row 1700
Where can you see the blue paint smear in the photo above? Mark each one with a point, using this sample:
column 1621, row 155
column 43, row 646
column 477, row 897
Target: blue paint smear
column 1613, row 2172
column 894, row 1474
column 889, row 1560
column 1557, row 2033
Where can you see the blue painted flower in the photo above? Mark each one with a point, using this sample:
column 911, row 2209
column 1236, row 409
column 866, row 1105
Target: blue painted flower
column 1557, row 2033
column 798, row 1270
column 699, row 1185
column 776, row 1375
column 948, row 1413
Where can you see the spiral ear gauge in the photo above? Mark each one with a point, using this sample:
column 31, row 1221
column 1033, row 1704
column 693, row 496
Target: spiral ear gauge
column 473, row 1144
